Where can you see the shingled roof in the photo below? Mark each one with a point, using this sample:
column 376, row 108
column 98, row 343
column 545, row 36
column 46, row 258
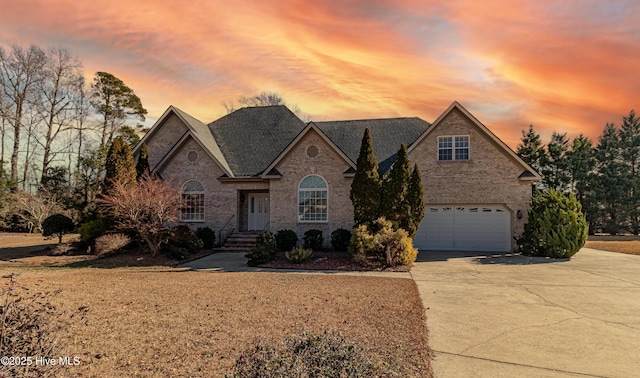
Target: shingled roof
column 387, row 136
column 251, row 138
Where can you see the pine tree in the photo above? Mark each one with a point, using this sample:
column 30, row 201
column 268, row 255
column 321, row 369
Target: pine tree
column 609, row 182
column 365, row 187
column 555, row 166
column 393, row 204
column 142, row 166
column 629, row 135
column 581, row 168
column 415, row 204
column 531, row 149
column 119, row 165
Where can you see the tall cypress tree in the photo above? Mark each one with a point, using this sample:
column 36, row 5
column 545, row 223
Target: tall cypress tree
column 629, row 135
column 142, row 166
column 119, row 165
column 365, row 186
column 415, row 204
column 393, row 204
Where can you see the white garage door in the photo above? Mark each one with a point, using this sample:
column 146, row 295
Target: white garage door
column 465, row 228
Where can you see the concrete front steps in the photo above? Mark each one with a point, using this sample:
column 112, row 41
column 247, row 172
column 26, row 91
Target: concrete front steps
column 239, row 242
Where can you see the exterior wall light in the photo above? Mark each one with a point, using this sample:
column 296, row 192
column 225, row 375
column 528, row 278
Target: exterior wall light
column 519, row 214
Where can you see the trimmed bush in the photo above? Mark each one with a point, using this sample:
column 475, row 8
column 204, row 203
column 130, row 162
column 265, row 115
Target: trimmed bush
column 57, row 224
column 340, row 239
column 299, row 255
column 264, row 251
column 208, row 237
column 313, row 240
column 183, row 237
column 385, row 245
column 309, row 355
column 286, row 240
column 556, row 226
column 90, row 230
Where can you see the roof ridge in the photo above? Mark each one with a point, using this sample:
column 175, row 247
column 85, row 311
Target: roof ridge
column 368, row 119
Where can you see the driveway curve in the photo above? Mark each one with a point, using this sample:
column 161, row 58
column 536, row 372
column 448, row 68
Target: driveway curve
column 514, row 316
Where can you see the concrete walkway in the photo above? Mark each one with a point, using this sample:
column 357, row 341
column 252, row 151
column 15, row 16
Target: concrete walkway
column 513, row 316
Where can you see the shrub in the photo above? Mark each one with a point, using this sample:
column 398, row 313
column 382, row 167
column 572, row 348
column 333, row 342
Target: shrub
column 340, row 239
column 556, row 226
column 386, row 245
column 264, row 251
column 286, row 240
column 309, row 355
column 183, row 237
column 90, row 230
column 110, row 243
column 299, row 255
column 57, row 224
column 208, row 237
column 313, row 239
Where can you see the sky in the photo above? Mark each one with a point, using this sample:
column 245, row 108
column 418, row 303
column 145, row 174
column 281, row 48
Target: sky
column 566, row 66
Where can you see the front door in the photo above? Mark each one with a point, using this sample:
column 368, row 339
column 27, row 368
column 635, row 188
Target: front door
column 258, row 211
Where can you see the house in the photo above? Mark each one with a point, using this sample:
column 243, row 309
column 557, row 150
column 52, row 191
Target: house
column 263, row 168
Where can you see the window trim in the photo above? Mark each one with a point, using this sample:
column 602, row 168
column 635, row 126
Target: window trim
column 326, row 190
column 453, row 148
column 184, row 194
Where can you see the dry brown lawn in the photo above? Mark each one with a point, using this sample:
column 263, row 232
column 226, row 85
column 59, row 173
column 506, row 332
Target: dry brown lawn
column 623, row 246
column 157, row 321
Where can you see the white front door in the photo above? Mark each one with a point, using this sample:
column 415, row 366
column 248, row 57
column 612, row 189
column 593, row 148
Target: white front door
column 258, row 211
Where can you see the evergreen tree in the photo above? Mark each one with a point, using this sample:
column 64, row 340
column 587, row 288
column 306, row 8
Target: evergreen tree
column 393, row 204
column 609, row 181
column 531, row 149
column 629, row 135
column 415, row 204
column 581, row 167
column 119, row 165
column 555, row 165
column 365, row 186
column 142, row 166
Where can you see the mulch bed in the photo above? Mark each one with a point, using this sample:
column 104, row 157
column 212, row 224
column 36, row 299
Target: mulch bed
column 329, row 260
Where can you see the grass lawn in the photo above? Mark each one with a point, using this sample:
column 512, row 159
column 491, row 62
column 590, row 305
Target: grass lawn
column 623, row 246
column 158, row 321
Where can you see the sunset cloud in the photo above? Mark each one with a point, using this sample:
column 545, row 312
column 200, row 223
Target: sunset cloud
column 566, row 66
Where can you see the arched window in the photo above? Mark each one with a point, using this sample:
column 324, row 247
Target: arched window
column 193, row 202
column 313, row 199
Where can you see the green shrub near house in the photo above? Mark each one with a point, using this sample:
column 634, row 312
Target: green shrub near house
column 264, row 251
column 299, row 255
column 313, row 239
column 556, row 226
column 208, row 237
column 340, row 239
column 286, row 240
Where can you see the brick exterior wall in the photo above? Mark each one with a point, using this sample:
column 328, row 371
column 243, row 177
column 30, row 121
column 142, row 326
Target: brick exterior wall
column 163, row 138
column 294, row 167
column 489, row 177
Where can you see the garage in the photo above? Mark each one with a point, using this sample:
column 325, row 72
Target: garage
column 465, row 228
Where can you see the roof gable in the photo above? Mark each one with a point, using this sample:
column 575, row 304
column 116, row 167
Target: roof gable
column 250, row 138
column 310, row 126
column 196, row 129
column 497, row 142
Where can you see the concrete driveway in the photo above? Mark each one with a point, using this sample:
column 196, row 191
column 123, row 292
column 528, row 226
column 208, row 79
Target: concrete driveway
column 513, row 316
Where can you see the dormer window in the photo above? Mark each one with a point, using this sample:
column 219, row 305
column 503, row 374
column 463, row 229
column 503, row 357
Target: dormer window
column 455, row 147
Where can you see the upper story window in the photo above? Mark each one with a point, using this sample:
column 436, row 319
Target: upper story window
column 313, row 199
column 193, row 202
column 453, row 148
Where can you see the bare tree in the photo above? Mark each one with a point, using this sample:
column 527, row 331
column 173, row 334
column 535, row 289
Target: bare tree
column 62, row 77
column 146, row 208
column 21, row 70
column 33, row 208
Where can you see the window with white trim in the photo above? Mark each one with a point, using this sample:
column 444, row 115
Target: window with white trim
column 453, row 148
column 192, row 202
column 313, row 199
